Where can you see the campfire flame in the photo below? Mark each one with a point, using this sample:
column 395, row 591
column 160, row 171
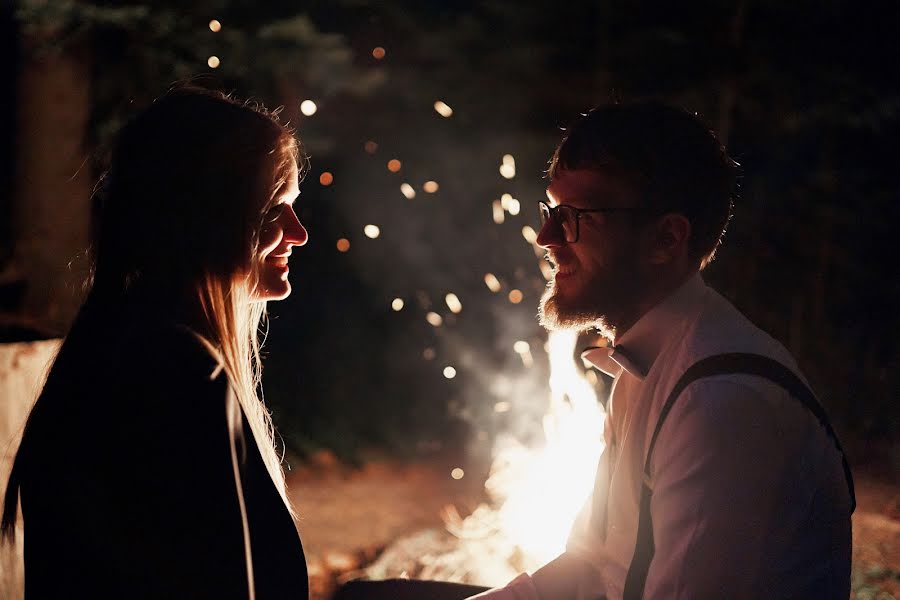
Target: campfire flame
column 542, row 490
column 537, row 492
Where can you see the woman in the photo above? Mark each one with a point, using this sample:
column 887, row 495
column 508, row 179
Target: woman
column 147, row 467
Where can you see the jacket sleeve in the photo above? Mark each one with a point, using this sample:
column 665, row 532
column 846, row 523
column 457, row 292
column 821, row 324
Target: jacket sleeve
column 175, row 527
column 717, row 478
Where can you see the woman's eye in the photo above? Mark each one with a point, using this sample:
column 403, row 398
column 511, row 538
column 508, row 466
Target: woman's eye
column 274, row 212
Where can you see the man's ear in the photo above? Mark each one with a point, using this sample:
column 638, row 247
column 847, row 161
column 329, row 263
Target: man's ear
column 670, row 236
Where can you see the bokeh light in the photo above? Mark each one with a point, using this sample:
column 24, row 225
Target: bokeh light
column 515, row 296
column 491, row 281
column 434, row 319
column 371, row 146
column 343, row 245
column 430, row 187
column 453, row 303
column 215, row 26
column 529, row 234
column 394, row 165
column 449, row 372
column 457, row 473
column 442, row 109
column 498, row 213
column 308, row 108
column 378, row 52
column 326, row 178
column 372, row 231
column 397, row 304
column 213, row 62
column 408, row 191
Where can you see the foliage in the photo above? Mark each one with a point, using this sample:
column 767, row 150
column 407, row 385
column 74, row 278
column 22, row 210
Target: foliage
column 806, row 95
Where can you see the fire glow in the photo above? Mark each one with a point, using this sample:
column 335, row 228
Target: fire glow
column 542, row 490
column 536, row 492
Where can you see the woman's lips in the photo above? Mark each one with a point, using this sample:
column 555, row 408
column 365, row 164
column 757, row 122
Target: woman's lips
column 280, row 262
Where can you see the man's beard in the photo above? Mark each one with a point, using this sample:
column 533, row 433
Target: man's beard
column 604, row 302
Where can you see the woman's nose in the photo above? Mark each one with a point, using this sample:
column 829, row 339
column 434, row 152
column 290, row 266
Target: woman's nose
column 294, row 232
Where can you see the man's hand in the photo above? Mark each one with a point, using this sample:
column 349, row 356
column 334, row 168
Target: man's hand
column 557, row 580
column 520, row 588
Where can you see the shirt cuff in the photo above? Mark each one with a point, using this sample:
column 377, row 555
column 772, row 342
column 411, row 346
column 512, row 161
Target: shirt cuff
column 520, row 588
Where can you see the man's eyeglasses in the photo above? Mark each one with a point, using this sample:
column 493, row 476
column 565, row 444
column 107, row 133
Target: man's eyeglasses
column 567, row 217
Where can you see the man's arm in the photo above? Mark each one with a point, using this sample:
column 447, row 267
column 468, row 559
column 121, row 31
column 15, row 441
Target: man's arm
column 558, row 579
column 718, row 466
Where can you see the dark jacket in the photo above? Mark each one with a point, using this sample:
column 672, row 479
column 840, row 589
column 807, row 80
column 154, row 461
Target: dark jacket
column 129, row 488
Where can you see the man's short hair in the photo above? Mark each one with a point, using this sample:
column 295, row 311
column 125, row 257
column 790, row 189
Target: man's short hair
column 676, row 162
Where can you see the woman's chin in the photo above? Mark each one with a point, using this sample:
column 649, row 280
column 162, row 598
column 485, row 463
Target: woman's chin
column 273, row 291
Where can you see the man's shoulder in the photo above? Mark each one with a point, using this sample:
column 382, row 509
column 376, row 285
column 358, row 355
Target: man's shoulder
column 720, row 328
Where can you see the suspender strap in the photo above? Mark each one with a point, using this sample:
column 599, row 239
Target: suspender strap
column 721, row 364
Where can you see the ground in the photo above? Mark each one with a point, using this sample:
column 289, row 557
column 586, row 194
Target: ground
column 348, row 515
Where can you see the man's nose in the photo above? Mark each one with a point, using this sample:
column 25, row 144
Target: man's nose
column 550, row 235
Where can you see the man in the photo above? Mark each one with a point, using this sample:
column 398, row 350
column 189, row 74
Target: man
column 746, row 490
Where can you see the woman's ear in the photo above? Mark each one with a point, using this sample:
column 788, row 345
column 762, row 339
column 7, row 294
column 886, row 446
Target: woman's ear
column 670, row 236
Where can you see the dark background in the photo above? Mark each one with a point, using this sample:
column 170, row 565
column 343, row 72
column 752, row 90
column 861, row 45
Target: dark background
column 804, row 93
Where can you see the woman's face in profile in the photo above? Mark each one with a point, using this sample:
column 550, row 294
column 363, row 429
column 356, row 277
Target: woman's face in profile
column 281, row 231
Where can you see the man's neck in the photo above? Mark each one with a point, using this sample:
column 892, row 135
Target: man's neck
column 658, row 290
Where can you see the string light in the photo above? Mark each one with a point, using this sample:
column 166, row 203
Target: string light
column 343, row 245
column 529, row 234
column 308, row 108
column 326, row 178
column 213, row 62
column 523, row 349
column 408, row 191
column 430, row 187
column 453, row 303
column 215, row 26
column 394, row 165
column 498, row 213
column 449, row 373
column 397, row 304
column 491, row 281
column 442, row 109
column 508, row 167
column 372, row 231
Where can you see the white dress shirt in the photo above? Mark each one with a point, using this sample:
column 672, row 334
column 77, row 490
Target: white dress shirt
column 749, row 494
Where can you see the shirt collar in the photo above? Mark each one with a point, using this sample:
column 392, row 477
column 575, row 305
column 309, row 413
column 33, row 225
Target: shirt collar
column 636, row 350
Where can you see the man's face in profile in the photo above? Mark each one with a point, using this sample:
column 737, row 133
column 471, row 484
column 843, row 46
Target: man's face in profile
column 596, row 277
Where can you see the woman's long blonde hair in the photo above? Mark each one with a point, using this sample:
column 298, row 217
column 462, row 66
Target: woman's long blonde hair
column 176, row 231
